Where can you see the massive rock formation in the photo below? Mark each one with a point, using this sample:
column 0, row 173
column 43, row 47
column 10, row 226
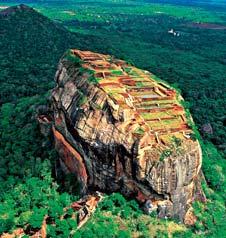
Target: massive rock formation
column 118, row 128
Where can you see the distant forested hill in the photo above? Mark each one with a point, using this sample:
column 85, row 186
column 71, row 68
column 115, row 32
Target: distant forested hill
column 31, row 45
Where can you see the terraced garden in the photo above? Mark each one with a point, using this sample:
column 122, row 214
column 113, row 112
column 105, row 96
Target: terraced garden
column 149, row 106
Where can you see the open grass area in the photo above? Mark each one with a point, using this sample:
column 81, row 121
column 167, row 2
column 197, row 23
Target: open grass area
column 104, row 11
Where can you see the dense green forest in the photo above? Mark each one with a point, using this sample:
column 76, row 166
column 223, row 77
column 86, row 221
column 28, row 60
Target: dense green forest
column 29, row 56
column 194, row 61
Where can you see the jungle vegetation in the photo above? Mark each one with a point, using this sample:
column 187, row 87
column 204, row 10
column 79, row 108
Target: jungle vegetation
column 194, row 61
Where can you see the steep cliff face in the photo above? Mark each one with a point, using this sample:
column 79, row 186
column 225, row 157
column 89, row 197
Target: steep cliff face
column 120, row 129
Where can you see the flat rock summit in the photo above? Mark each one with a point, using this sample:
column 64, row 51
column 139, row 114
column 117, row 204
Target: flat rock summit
column 119, row 128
